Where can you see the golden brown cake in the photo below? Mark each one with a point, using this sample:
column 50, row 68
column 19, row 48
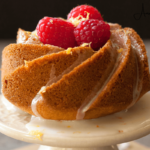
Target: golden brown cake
column 77, row 83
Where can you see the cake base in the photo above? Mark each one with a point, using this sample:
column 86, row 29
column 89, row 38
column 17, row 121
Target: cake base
column 85, row 134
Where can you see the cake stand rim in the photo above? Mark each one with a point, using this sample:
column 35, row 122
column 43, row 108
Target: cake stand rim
column 76, row 142
column 68, row 142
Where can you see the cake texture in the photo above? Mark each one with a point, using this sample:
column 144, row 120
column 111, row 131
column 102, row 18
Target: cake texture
column 75, row 83
column 79, row 83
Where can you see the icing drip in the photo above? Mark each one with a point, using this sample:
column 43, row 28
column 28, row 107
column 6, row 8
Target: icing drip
column 139, row 78
column 136, row 91
column 54, row 79
column 95, row 92
column 38, row 97
column 97, row 89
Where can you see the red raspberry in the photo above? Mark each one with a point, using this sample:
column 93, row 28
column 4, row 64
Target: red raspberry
column 95, row 31
column 56, row 32
column 82, row 10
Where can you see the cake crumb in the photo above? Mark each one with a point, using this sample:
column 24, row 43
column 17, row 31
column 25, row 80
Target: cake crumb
column 86, row 44
column 120, row 131
column 120, row 50
column 37, row 134
column 68, row 51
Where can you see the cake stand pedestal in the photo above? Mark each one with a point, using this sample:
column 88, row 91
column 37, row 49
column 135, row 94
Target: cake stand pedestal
column 56, row 148
column 96, row 134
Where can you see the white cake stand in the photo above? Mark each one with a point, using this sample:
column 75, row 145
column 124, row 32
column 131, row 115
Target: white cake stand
column 96, row 134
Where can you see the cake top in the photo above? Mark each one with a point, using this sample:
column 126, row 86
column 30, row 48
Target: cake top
column 84, row 24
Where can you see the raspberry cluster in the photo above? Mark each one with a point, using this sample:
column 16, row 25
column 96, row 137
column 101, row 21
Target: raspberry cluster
column 84, row 25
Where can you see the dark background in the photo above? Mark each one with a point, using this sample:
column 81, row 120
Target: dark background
column 16, row 14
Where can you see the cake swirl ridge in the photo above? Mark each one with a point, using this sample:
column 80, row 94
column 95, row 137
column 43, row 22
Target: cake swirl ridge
column 78, row 83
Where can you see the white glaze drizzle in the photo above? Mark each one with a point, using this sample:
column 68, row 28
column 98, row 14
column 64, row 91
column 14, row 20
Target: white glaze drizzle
column 136, row 92
column 92, row 97
column 54, row 79
column 38, row 97
column 138, row 83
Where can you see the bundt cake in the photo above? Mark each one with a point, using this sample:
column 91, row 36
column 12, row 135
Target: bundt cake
column 75, row 83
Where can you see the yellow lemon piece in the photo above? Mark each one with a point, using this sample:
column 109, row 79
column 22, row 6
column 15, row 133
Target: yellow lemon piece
column 37, row 134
